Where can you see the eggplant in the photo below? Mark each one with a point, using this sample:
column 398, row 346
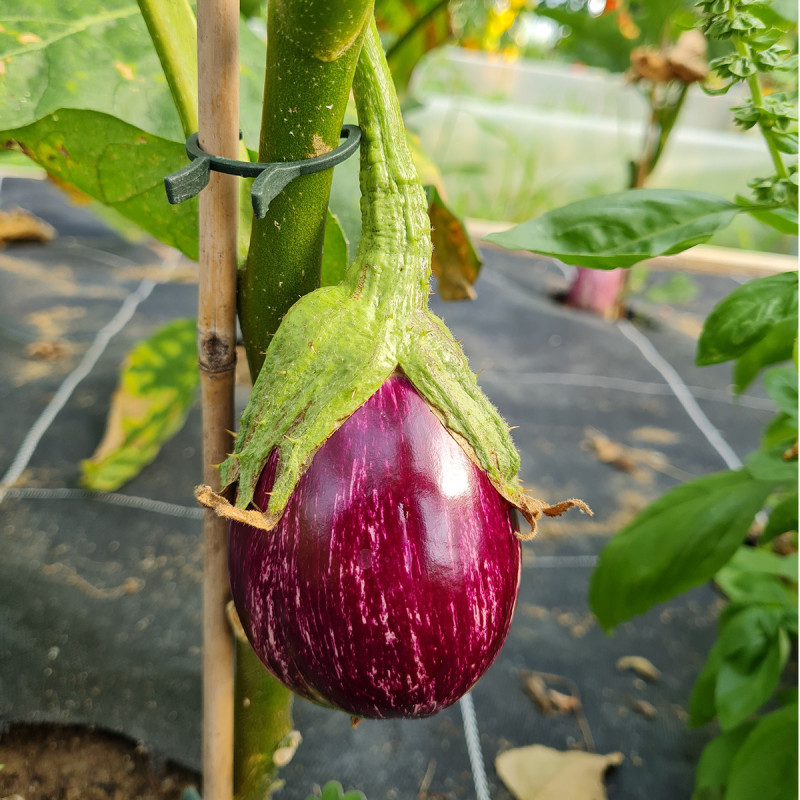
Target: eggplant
column 388, row 586
column 373, row 560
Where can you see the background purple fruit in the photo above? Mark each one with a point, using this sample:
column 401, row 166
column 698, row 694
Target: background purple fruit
column 388, row 587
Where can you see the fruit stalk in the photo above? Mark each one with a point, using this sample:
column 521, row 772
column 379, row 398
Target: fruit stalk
column 312, row 54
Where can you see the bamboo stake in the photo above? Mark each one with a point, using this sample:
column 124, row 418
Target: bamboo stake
column 218, row 102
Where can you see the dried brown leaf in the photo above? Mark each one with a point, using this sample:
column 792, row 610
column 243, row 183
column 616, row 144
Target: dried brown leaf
column 563, row 703
column 18, row 225
column 644, row 708
column 687, row 58
column 640, row 665
column 542, row 773
column 649, row 64
column 455, row 261
column 535, row 687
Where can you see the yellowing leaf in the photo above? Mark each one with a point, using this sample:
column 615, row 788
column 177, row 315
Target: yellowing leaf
column 455, row 262
column 155, row 392
column 537, row 772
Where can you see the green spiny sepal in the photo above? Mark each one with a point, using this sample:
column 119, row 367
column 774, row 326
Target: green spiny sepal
column 337, row 345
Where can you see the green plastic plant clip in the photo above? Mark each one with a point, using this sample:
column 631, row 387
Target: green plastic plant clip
column 270, row 177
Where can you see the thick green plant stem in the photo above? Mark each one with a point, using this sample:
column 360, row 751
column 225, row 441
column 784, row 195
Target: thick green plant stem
column 263, row 735
column 311, row 57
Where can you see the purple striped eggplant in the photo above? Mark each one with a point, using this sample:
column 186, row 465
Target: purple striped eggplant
column 372, row 557
column 388, row 586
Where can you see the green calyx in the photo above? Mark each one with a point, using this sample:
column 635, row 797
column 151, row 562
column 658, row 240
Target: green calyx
column 337, row 345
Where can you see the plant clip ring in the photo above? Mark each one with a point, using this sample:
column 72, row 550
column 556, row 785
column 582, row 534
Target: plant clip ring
column 270, row 178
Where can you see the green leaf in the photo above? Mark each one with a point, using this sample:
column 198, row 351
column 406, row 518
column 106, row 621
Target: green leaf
column 745, row 683
column 87, row 54
column 776, row 346
column 677, row 542
column 333, row 791
column 334, row 251
column 770, row 465
column 118, row 165
column 782, row 219
column 155, row 392
column 744, row 665
column 780, row 430
column 754, row 559
column 617, row 230
column 781, row 386
column 716, row 762
column 97, row 55
column 746, row 316
column 766, row 764
column 782, row 518
column 702, row 705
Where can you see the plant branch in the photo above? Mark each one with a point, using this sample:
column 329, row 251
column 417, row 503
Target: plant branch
column 758, row 101
column 173, row 29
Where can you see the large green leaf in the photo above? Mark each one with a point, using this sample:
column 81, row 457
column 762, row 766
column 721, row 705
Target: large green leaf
column 766, row 764
column 749, row 674
column 156, row 390
column 716, row 762
column 618, row 230
column 677, row 542
column 744, row 666
column 756, row 561
column 770, row 465
column 781, row 386
column 782, row 518
column 746, row 316
column 81, row 54
column 777, row 345
column 97, row 54
column 116, row 164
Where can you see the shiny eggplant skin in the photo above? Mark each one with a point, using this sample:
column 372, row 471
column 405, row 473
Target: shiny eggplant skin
column 388, row 587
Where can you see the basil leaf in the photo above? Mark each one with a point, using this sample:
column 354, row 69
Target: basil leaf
column 617, row 230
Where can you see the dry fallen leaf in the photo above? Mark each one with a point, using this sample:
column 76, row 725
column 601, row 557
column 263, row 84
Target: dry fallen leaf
column 48, row 349
column 18, row 225
column 563, row 703
column 644, row 708
column 535, row 687
column 640, row 665
column 633, row 460
column 542, row 773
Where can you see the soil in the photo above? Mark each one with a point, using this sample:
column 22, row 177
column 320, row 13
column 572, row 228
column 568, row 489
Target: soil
column 46, row 762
